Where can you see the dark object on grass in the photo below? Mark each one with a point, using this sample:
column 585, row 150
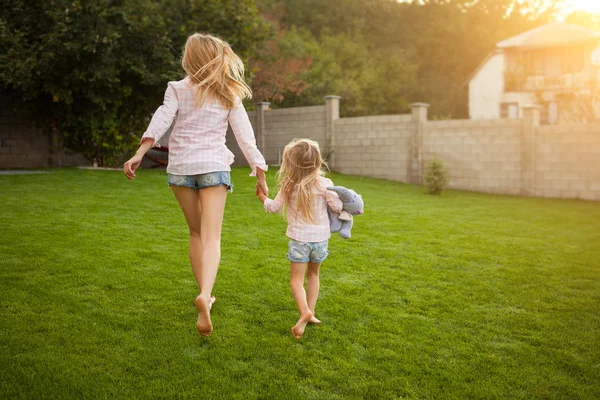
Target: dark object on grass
column 160, row 155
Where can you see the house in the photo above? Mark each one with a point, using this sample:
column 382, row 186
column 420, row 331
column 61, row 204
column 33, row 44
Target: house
column 555, row 66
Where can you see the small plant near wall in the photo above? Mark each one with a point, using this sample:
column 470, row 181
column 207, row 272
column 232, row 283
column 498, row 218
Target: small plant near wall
column 435, row 177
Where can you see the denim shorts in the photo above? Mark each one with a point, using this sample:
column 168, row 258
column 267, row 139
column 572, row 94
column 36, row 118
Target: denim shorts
column 202, row 181
column 301, row 252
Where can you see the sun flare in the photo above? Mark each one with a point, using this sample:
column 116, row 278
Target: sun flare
column 583, row 5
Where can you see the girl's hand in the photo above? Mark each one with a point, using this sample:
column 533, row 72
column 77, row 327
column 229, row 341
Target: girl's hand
column 130, row 166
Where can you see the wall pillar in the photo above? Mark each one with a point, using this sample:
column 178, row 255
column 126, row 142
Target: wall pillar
column 259, row 129
column 531, row 121
column 332, row 112
column 419, row 117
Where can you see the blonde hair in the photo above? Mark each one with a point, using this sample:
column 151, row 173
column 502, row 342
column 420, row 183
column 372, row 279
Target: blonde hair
column 215, row 69
column 300, row 169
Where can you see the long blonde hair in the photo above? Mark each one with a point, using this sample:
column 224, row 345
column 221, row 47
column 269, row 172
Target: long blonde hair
column 300, row 169
column 215, row 69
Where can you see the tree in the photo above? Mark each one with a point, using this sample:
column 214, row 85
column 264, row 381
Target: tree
column 384, row 54
column 94, row 71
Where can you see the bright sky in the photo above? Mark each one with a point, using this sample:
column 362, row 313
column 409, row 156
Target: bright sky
column 584, row 5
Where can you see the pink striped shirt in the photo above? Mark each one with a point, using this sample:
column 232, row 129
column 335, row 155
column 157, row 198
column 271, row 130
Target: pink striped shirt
column 197, row 142
column 301, row 229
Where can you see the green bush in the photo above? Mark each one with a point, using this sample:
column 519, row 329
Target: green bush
column 94, row 71
column 435, row 177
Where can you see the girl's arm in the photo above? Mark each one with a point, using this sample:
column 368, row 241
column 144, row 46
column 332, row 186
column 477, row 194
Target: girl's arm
column 244, row 135
column 271, row 206
column 333, row 200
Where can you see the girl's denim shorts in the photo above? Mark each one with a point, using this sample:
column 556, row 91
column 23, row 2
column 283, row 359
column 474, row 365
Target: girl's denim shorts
column 202, row 181
column 301, row 252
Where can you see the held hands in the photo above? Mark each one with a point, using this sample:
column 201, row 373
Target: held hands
column 261, row 184
column 130, row 166
column 260, row 191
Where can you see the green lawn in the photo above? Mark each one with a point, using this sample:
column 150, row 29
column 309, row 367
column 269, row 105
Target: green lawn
column 461, row 296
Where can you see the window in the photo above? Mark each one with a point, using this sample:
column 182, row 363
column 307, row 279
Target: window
column 572, row 59
column 509, row 110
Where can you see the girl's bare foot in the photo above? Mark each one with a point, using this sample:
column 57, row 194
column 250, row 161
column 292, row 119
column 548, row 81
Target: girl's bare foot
column 298, row 329
column 203, row 324
column 314, row 320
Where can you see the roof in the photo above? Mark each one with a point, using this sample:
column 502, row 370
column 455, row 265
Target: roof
column 550, row 35
column 480, row 66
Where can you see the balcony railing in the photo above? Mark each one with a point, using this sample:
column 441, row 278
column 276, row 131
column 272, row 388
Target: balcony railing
column 514, row 82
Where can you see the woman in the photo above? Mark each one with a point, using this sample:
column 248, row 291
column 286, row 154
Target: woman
column 202, row 105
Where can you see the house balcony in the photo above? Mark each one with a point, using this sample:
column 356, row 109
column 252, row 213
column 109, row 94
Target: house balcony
column 563, row 83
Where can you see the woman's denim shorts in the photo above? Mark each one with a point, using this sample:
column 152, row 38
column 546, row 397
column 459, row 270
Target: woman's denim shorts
column 202, row 181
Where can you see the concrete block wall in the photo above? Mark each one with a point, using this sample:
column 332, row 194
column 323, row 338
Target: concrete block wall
column 480, row 156
column 283, row 125
column 567, row 159
column 21, row 145
column 377, row 147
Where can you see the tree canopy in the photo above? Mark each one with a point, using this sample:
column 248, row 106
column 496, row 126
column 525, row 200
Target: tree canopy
column 95, row 71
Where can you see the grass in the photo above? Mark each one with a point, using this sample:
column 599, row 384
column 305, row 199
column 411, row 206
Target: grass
column 461, row 296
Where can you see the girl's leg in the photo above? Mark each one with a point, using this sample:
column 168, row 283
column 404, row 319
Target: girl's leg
column 211, row 221
column 312, row 289
column 297, row 271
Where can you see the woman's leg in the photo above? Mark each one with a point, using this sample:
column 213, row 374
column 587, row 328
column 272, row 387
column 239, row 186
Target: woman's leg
column 211, row 221
column 297, row 271
column 312, row 289
column 189, row 201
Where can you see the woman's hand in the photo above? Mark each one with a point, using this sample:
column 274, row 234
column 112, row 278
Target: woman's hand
column 261, row 184
column 130, row 166
column 261, row 196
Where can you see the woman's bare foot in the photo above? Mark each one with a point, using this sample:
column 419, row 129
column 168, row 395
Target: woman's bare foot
column 314, row 320
column 212, row 301
column 298, row 329
column 203, row 324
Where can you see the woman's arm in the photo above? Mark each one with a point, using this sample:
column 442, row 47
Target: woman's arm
column 160, row 123
column 244, row 135
column 134, row 162
column 163, row 117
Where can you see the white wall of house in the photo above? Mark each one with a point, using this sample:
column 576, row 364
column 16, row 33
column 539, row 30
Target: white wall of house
column 486, row 89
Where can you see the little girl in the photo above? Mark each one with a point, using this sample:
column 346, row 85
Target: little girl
column 304, row 197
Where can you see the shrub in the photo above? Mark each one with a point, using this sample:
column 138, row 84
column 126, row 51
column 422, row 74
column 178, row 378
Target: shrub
column 435, row 177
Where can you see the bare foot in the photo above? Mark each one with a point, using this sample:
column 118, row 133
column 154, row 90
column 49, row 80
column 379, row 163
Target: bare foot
column 203, row 324
column 298, row 329
column 212, row 301
column 314, row 320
